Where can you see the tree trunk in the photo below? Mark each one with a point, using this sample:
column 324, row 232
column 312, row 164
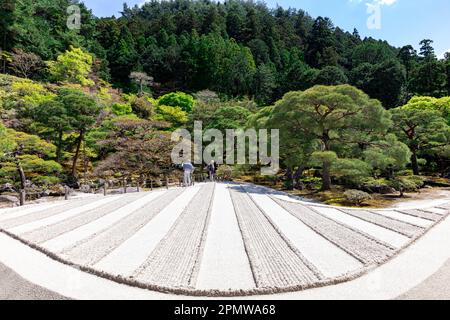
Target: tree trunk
column 290, row 178
column 59, row 147
column 297, row 176
column 326, row 176
column 415, row 163
column 23, row 179
column 77, row 154
column 326, row 170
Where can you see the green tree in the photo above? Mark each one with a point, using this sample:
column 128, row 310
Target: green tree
column 25, row 158
column 320, row 44
column 178, row 99
column 447, row 71
column 72, row 66
column 388, row 156
column 265, row 83
column 334, row 117
column 72, row 111
column 421, row 129
column 382, row 81
column 331, row 76
column 173, row 115
column 5, row 143
column 229, row 117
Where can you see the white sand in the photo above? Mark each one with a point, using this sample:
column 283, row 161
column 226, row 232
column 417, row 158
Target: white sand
column 406, row 218
column 388, row 236
column 360, row 245
column 287, row 245
column 55, row 230
column 176, row 260
column 60, row 216
column 126, row 258
column 437, row 210
column 93, row 249
column 274, row 261
column 23, row 211
column 225, row 264
column 328, row 258
column 71, row 238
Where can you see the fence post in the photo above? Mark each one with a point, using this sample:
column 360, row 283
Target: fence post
column 66, row 193
column 151, row 185
column 124, row 183
column 167, row 182
column 22, row 197
column 138, row 186
column 105, row 188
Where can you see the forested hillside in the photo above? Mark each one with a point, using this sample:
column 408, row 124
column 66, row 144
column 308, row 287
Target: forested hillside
column 81, row 107
column 235, row 48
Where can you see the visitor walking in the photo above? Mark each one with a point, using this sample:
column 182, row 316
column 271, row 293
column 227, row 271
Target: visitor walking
column 211, row 170
column 188, row 169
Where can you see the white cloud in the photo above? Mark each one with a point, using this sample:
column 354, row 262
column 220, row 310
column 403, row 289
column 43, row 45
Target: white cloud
column 379, row 2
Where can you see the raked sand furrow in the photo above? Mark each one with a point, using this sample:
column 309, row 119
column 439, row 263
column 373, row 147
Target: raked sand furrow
column 422, row 214
column 6, row 214
column 445, row 206
column 329, row 259
column 176, row 260
column 274, row 261
column 52, row 231
column 439, row 211
column 224, row 264
column 383, row 235
column 406, row 218
column 361, row 246
column 131, row 254
column 44, row 213
column 92, row 250
column 71, row 238
column 61, row 216
column 401, row 227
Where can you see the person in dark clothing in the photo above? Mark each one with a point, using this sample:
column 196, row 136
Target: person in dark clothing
column 188, row 169
column 211, row 170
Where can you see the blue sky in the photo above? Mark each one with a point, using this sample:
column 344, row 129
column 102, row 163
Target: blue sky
column 402, row 21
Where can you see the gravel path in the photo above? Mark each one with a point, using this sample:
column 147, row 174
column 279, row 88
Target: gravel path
column 17, row 212
column 331, row 260
column 422, row 214
column 275, row 262
column 93, row 249
column 131, row 254
column 404, row 228
column 71, row 238
column 52, row 231
column 405, row 218
column 387, row 237
column 175, row 262
column 361, row 246
column 37, row 219
column 225, row 264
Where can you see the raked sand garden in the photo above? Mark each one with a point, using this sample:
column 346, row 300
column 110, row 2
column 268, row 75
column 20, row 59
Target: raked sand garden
column 218, row 239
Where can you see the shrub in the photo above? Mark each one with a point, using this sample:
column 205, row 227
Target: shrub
column 178, row 99
column 225, row 173
column 357, row 197
column 121, row 109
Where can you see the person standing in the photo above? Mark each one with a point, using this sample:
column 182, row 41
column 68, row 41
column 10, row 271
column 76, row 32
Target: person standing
column 188, row 169
column 211, row 170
